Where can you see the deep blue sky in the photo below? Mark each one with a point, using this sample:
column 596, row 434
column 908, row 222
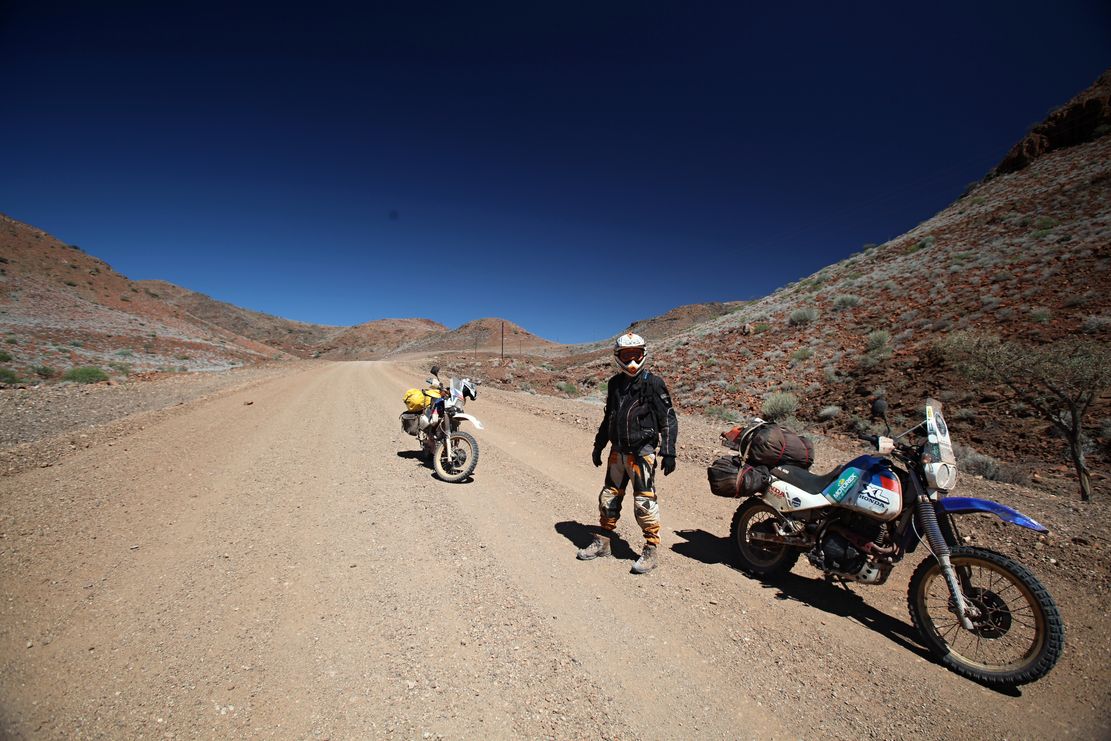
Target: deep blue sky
column 569, row 166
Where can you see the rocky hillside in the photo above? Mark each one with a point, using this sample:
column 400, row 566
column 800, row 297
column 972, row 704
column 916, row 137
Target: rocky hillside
column 377, row 339
column 296, row 338
column 1083, row 119
column 1024, row 254
column 61, row 308
column 485, row 335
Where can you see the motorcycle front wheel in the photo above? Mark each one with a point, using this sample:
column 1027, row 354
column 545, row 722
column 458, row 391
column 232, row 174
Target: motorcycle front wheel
column 455, row 462
column 1018, row 635
column 756, row 557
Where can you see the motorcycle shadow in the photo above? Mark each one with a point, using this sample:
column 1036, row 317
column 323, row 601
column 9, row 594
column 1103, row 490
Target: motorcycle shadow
column 819, row 593
column 581, row 536
column 426, row 462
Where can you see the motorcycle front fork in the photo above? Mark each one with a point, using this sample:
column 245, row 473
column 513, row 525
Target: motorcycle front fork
column 939, row 545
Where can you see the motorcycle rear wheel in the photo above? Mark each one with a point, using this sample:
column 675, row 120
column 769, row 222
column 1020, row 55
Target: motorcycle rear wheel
column 460, row 464
column 1017, row 639
column 755, row 557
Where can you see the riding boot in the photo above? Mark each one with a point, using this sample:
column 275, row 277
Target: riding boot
column 598, row 548
column 647, row 560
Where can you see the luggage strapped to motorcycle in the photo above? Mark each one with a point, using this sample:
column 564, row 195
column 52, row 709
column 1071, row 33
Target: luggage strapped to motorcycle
column 794, row 449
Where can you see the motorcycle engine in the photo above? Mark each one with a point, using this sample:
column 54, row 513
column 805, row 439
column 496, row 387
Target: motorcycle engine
column 844, row 550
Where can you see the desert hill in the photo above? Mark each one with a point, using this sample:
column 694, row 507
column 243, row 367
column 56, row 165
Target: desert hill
column 485, row 335
column 60, row 308
column 377, row 339
column 296, row 338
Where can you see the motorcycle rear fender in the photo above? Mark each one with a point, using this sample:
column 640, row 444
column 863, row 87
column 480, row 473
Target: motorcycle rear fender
column 966, row 505
column 469, row 418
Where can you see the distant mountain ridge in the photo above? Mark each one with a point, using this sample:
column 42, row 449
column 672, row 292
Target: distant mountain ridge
column 61, row 308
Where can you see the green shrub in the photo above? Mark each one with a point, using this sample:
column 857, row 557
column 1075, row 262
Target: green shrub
column 125, row 353
column 828, row 413
column 85, row 374
column 44, row 371
column 5, row 357
column 567, row 387
column 761, row 327
column 846, row 301
column 722, row 413
column 1094, row 324
column 1045, row 222
column 878, row 339
column 7, row 375
column 76, row 343
column 1040, row 315
column 12, row 341
column 801, row 354
column 71, row 284
column 124, row 368
column 804, row 315
column 875, row 357
column 779, row 405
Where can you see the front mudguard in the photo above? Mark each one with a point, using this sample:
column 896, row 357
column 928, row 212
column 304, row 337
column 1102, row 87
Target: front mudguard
column 966, row 505
column 473, row 420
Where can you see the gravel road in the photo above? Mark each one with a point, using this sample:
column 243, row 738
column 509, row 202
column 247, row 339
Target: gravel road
column 274, row 562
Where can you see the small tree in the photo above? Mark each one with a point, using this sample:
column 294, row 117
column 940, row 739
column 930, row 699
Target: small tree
column 1059, row 380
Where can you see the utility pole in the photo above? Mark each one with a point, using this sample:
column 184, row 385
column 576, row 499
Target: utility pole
column 503, row 343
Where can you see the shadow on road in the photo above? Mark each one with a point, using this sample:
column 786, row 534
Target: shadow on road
column 581, row 535
column 819, row 593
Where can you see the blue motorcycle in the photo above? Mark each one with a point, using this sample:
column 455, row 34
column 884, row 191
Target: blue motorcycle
column 982, row 614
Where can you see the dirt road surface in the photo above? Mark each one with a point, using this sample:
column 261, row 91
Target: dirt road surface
column 275, row 563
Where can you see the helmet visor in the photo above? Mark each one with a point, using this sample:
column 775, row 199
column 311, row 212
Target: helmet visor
column 630, row 354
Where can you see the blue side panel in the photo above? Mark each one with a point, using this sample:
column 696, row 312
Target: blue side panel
column 965, row 505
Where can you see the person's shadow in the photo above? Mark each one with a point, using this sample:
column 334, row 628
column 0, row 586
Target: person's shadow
column 581, row 536
column 822, row 594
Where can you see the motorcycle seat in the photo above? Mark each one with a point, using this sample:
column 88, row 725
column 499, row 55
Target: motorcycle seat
column 803, row 479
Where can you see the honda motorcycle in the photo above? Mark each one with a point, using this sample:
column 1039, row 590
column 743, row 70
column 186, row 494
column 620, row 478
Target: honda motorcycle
column 983, row 615
column 454, row 452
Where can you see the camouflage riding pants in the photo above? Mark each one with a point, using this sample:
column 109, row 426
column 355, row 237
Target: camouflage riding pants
column 640, row 469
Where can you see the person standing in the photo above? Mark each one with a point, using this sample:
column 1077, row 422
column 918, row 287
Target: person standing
column 639, row 423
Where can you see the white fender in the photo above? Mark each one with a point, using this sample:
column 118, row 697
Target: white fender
column 469, row 418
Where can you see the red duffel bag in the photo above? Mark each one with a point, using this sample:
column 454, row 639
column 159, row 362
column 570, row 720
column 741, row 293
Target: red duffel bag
column 768, row 444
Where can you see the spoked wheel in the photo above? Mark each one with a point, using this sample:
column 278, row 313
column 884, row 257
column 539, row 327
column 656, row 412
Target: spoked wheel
column 756, row 557
column 456, row 462
column 1017, row 635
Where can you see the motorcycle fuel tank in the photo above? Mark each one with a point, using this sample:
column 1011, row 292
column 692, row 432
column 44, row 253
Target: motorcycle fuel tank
column 867, row 485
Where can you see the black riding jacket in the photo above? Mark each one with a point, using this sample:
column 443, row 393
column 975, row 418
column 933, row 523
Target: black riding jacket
column 638, row 413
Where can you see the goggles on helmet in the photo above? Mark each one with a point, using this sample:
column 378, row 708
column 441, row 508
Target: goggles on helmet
column 630, row 354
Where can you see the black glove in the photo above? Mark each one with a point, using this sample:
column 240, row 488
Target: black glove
column 669, row 464
column 596, row 456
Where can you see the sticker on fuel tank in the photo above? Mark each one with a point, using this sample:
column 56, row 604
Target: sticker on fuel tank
column 873, row 498
column 844, row 485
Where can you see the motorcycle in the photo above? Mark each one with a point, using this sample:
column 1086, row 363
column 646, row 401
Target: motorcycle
column 454, row 453
column 980, row 613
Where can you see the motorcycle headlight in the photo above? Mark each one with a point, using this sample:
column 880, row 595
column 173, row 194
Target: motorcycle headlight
column 941, row 476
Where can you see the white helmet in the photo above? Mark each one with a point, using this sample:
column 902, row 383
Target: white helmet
column 630, row 353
